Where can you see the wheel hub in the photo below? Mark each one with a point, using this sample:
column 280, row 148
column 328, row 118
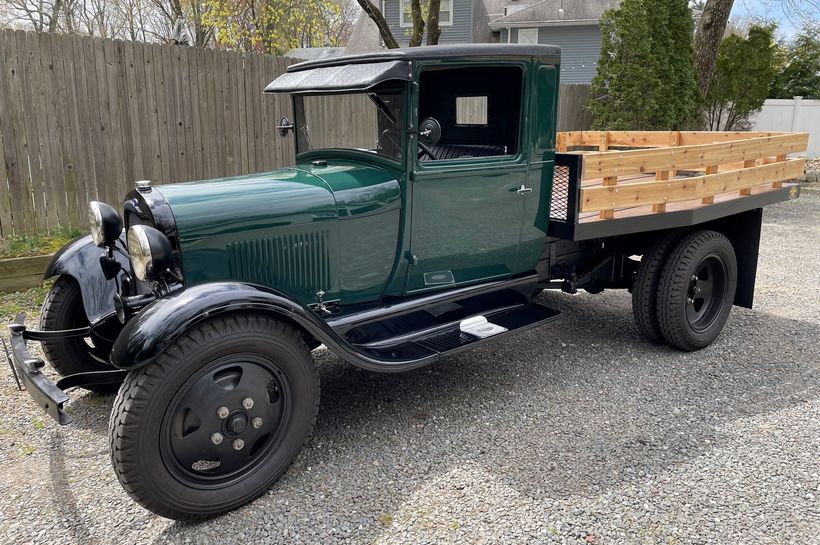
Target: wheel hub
column 705, row 292
column 223, row 421
column 236, row 423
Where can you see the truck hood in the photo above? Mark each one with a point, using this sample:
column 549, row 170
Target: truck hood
column 305, row 194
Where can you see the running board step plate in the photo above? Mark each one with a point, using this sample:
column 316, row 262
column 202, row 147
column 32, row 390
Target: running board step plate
column 467, row 333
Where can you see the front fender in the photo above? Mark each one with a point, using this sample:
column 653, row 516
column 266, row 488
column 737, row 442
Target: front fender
column 80, row 260
column 159, row 324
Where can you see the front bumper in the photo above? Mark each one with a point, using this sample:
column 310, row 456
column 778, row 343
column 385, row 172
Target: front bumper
column 27, row 369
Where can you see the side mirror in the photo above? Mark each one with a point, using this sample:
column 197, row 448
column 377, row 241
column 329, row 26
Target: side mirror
column 284, row 126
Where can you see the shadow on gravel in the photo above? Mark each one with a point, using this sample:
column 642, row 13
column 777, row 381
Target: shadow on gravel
column 572, row 409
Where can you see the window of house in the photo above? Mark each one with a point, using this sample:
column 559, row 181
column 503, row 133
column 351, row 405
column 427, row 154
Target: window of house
column 528, row 35
column 445, row 13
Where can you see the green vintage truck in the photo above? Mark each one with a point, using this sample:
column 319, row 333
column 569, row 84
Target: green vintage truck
column 430, row 203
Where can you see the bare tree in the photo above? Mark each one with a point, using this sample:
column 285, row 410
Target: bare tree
column 707, row 40
column 418, row 23
column 384, row 29
column 433, row 28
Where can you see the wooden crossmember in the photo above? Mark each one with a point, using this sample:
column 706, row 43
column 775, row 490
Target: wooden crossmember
column 603, row 142
column 712, row 169
column 779, row 159
column 748, row 163
column 660, row 176
column 609, row 214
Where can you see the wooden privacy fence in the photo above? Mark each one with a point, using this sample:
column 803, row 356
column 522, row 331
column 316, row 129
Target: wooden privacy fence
column 82, row 118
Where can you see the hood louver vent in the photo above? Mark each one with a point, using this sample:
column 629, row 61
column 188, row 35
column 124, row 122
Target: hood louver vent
column 295, row 263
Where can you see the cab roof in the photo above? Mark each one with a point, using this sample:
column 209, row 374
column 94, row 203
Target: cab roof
column 549, row 53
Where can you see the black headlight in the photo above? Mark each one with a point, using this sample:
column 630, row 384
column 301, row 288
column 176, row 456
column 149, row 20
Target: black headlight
column 106, row 224
column 149, row 251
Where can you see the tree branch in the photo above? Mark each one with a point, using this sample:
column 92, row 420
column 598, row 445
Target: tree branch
column 384, row 29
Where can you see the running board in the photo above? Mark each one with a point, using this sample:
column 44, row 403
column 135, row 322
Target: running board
column 453, row 337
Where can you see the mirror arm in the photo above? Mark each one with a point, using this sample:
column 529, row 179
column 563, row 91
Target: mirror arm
column 285, row 125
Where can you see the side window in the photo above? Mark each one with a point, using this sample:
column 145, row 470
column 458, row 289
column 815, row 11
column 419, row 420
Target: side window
column 469, row 112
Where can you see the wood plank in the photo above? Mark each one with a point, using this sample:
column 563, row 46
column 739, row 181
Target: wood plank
column 184, row 112
column 12, row 146
column 153, row 140
column 20, row 273
column 778, row 183
column 647, row 193
column 70, row 216
column 712, row 169
column 195, row 101
column 617, row 163
column 74, row 157
column 660, row 176
column 164, row 123
column 41, row 185
column 209, row 113
column 749, row 163
column 88, row 110
column 133, row 115
column 115, row 90
column 240, row 60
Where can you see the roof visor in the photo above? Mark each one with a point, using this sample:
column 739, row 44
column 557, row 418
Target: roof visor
column 348, row 77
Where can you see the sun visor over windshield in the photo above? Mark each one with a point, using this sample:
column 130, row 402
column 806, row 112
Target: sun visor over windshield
column 349, row 77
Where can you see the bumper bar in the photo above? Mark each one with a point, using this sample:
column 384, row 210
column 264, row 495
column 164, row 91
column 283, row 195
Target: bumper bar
column 27, row 369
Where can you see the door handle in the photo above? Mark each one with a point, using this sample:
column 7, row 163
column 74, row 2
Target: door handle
column 523, row 189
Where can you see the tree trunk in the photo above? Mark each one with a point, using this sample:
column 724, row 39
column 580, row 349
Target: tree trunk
column 418, row 23
column 384, row 30
column 433, row 30
column 708, row 38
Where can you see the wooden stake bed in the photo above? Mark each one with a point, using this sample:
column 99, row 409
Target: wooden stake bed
column 628, row 174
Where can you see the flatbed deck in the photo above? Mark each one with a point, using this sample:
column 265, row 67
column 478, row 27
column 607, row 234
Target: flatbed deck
column 612, row 182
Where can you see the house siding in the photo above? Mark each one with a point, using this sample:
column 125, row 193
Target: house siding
column 580, row 48
column 460, row 32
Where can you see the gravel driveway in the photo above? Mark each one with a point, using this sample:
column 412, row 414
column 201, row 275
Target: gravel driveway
column 579, row 432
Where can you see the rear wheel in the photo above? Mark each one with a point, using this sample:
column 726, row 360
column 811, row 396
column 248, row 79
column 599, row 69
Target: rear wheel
column 696, row 290
column 216, row 418
column 645, row 287
column 63, row 309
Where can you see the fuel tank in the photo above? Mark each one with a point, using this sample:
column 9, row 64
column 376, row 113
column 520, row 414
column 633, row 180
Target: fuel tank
column 328, row 225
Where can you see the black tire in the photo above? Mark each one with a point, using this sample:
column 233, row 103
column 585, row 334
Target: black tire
column 697, row 290
column 177, row 397
column 645, row 287
column 63, row 309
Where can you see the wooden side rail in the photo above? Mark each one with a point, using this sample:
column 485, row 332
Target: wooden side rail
column 606, row 198
column 652, row 139
column 622, row 163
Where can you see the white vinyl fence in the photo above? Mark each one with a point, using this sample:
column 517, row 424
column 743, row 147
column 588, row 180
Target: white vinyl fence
column 791, row 115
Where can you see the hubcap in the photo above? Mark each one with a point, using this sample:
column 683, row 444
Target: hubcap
column 195, row 423
column 705, row 294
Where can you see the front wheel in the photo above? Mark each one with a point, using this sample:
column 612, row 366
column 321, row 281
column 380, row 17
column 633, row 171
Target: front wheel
column 697, row 289
column 216, row 418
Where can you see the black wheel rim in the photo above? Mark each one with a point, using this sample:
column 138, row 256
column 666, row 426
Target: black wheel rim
column 210, row 437
column 707, row 288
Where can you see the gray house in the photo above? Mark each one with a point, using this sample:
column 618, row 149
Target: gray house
column 570, row 24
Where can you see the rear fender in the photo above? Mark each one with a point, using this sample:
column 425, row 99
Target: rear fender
column 80, row 260
column 162, row 322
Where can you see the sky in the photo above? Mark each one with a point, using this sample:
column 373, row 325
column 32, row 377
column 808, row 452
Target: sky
column 787, row 13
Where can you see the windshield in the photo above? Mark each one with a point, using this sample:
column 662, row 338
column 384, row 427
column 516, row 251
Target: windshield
column 366, row 121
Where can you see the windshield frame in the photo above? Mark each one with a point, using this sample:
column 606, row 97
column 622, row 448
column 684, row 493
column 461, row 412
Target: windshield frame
column 397, row 87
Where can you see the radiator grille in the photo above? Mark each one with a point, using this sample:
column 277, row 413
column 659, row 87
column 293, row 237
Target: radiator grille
column 560, row 193
column 297, row 263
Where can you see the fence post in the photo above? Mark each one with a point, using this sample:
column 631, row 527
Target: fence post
column 796, row 112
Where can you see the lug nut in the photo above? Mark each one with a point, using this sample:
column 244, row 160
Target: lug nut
column 690, row 300
column 247, row 403
column 694, row 278
column 238, row 444
column 222, row 412
column 216, row 438
column 256, row 423
column 697, row 290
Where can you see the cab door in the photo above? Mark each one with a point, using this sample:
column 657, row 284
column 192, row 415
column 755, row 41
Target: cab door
column 467, row 204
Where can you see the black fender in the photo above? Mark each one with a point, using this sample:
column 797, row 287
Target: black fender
column 80, row 259
column 159, row 324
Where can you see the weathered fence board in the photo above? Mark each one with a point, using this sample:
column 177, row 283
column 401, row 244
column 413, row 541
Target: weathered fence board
column 83, row 118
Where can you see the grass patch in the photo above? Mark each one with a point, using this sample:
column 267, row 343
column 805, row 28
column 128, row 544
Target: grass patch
column 28, row 245
column 28, row 301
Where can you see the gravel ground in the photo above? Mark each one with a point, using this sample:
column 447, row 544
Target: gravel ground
column 579, row 432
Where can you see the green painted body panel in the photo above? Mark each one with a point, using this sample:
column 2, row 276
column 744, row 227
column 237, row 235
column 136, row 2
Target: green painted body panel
column 361, row 227
column 290, row 229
